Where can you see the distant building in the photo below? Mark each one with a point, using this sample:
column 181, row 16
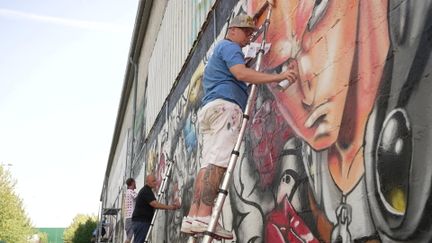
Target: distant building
column 55, row 235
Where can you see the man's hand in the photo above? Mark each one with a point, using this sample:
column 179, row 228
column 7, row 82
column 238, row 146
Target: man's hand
column 292, row 71
column 176, row 205
column 158, row 205
column 173, row 207
column 243, row 73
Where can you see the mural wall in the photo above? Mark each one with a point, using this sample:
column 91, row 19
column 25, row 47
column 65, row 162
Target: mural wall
column 344, row 154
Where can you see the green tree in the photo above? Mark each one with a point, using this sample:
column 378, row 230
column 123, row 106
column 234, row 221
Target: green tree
column 15, row 225
column 80, row 230
column 43, row 237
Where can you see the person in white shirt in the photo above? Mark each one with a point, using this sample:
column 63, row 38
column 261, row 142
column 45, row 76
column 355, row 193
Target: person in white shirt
column 129, row 205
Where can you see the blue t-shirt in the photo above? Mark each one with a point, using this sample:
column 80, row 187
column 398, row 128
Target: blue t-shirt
column 218, row 81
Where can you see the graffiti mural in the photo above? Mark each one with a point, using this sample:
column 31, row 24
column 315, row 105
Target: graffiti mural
column 346, row 170
column 343, row 155
column 178, row 142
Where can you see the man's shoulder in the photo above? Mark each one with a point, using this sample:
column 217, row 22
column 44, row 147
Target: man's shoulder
column 227, row 49
column 142, row 190
column 227, row 45
column 146, row 189
column 147, row 193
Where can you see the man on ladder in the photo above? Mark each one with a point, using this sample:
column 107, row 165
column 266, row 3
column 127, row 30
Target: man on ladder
column 145, row 206
column 220, row 118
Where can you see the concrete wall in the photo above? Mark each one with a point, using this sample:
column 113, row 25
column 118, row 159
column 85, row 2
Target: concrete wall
column 344, row 153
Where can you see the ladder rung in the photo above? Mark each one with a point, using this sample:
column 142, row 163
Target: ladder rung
column 223, row 191
column 235, row 152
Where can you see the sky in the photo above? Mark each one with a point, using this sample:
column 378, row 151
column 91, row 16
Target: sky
column 62, row 67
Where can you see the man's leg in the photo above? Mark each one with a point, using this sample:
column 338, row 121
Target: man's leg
column 219, row 127
column 129, row 230
column 211, row 182
column 193, row 210
column 140, row 231
column 197, row 193
column 212, row 179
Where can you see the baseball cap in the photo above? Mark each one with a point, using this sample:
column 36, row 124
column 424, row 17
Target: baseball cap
column 242, row 21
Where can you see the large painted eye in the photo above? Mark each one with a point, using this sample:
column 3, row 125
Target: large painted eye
column 289, row 182
column 393, row 156
column 317, row 13
column 286, row 178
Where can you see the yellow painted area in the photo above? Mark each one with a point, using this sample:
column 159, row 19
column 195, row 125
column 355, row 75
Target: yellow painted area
column 195, row 84
column 398, row 199
column 151, row 161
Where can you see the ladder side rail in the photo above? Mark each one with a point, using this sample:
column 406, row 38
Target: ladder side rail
column 161, row 191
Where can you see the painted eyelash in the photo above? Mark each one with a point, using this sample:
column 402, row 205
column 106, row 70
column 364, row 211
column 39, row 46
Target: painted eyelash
column 317, row 13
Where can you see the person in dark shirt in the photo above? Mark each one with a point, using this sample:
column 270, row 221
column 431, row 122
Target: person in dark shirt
column 145, row 206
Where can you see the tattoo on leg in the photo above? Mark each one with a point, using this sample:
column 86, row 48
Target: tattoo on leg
column 197, row 192
column 212, row 179
column 198, row 184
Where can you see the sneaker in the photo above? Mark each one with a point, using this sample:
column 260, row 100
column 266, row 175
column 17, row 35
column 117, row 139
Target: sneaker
column 199, row 227
column 186, row 226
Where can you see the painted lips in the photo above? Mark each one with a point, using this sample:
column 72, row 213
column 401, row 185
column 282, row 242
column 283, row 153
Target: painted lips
column 318, row 119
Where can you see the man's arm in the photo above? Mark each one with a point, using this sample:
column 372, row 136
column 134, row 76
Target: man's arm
column 243, row 73
column 158, row 205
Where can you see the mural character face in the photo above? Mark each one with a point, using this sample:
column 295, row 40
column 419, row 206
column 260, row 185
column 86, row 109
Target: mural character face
column 321, row 36
column 313, row 106
column 340, row 48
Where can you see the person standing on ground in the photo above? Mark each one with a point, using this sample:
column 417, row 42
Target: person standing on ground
column 145, row 205
column 220, row 117
column 129, row 205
